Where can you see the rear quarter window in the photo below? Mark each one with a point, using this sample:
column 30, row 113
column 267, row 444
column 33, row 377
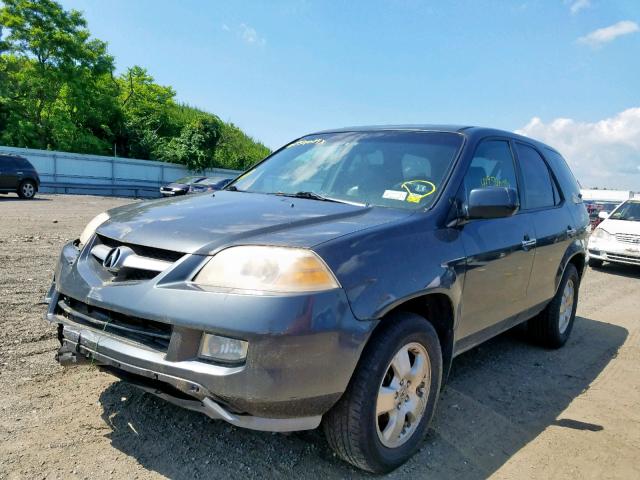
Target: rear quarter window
column 568, row 183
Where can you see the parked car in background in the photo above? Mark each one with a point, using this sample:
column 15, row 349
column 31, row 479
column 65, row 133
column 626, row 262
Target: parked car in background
column 209, row 184
column 180, row 186
column 595, row 208
column 18, row 175
column 617, row 237
column 333, row 283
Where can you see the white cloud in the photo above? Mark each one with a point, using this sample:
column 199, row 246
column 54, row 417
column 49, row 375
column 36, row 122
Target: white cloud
column 250, row 35
column 604, row 35
column 246, row 33
column 601, row 154
column 578, row 5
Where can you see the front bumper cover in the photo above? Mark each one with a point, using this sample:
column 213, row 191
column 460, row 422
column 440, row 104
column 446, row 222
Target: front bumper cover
column 302, row 348
column 614, row 251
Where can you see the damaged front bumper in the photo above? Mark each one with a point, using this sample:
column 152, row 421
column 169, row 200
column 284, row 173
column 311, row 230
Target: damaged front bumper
column 302, row 349
column 80, row 347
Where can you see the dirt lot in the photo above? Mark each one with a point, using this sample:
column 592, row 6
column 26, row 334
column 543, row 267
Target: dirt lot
column 510, row 410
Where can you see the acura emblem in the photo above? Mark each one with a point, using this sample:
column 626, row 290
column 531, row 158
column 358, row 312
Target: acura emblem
column 114, row 261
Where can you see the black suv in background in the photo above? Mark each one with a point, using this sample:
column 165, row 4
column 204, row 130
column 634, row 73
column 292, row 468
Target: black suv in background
column 19, row 176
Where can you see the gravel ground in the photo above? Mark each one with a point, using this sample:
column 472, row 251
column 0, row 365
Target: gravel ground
column 510, row 409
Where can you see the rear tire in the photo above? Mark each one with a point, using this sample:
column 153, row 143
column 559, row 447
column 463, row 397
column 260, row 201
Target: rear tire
column 595, row 263
column 551, row 327
column 27, row 190
column 383, row 416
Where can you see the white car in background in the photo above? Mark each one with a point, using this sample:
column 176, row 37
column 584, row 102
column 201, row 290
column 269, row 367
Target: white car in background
column 617, row 238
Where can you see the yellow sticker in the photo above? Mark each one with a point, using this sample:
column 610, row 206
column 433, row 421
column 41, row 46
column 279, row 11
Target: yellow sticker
column 315, row 141
column 418, row 189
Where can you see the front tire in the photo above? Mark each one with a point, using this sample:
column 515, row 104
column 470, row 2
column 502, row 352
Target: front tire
column 552, row 327
column 27, row 190
column 383, row 416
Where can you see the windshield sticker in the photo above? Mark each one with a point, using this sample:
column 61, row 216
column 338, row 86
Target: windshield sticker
column 315, row 141
column 394, row 195
column 494, row 182
column 418, row 189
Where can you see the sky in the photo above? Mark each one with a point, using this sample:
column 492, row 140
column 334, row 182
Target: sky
column 566, row 72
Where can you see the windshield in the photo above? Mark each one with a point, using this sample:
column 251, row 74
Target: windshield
column 211, row 181
column 390, row 168
column 627, row 211
column 186, row 180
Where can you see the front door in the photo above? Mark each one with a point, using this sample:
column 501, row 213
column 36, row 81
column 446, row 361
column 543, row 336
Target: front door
column 499, row 251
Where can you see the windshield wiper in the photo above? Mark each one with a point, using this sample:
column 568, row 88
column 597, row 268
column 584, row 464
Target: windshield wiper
column 310, row 196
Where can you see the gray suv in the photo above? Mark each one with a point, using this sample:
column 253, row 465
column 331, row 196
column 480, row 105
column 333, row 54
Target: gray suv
column 333, row 283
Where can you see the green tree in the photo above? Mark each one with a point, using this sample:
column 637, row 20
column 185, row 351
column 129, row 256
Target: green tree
column 146, row 108
column 237, row 150
column 196, row 145
column 58, row 91
column 55, row 78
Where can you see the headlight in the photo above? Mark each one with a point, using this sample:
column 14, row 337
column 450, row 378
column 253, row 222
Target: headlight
column 269, row 269
column 601, row 234
column 91, row 227
column 223, row 349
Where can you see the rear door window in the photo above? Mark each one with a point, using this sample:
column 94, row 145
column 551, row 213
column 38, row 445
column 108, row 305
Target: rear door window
column 538, row 184
column 8, row 163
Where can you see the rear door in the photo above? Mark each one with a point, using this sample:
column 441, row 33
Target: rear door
column 553, row 223
column 499, row 251
column 8, row 177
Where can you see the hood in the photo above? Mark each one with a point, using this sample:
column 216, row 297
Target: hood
column 177, row 185
column 203, row 223
column 621, row 226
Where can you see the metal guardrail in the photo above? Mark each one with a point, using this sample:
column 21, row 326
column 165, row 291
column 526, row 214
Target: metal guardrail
column 64, row 172
column 107, row 190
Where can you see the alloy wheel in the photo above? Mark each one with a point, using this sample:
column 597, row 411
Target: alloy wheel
column 402, row 396
column 566, row 306
column 28, row 190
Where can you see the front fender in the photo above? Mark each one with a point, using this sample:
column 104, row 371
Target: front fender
column 384, row 267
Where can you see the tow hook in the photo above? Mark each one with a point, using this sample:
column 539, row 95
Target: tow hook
column 69, row 356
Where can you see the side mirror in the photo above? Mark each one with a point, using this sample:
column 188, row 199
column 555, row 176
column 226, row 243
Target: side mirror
column 603, row 215
column 492, row 202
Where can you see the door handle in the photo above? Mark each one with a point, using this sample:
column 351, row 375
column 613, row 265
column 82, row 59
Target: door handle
column 571, row 231
column 528, row 243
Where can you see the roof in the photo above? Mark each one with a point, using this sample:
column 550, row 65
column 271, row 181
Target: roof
column 469, row 130
column 416, row 127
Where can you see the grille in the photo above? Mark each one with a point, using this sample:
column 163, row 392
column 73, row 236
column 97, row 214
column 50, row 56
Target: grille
column 624, row 258
column 628, row 238
column 135, row 274
column 143, row 251
column 146, row 332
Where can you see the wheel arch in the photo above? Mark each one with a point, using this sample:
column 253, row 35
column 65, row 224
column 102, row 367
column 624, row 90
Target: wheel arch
column 577, row 258
column 438, row 309
column 31, row 180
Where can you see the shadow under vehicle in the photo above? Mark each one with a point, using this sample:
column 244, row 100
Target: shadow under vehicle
column 498, row 398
